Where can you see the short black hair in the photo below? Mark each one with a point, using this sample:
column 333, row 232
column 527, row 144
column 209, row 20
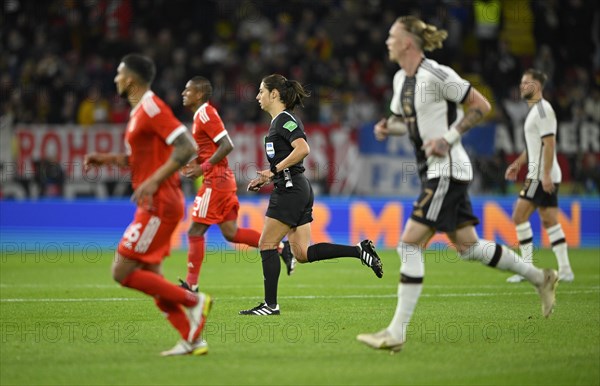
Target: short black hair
column 141, row 65
column 537, row 75
column 203, row 85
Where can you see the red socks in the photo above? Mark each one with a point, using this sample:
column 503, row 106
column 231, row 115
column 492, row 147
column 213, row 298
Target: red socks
column 175, row 316
column 196, row 251
column 156, row 286
column 195, row 258
column 247, row 236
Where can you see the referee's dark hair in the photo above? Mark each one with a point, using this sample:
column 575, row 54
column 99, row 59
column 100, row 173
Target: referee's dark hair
column 291, row 91
column 537, row 75
column 142, row 66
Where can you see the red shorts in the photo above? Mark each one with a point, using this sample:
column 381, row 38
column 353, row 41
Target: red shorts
column 215, row 206
column 147, row 238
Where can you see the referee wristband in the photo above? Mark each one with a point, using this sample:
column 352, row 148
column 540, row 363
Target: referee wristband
column 274, row 169
column 205, row 166
column 452, row 136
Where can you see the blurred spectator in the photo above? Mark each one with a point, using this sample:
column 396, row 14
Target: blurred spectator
column 50, row 177
column 576, row 19
column 324, row 43
column 361, row 110
column 546, row 22
column 544, row 61
column 591, row 106
column 59, row 57
column 515, row 107
column 119, row 110
column 93, row 109
column 588, row 174
column 492, row 173
column 68, row 110
column 488, row 22
column 563, row 106
column 502, row 69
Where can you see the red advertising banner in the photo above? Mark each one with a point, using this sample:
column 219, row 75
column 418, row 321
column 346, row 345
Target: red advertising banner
column 333, row 151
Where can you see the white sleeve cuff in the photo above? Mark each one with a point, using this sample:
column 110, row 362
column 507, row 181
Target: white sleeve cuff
column 175, row 133
column 219, row 136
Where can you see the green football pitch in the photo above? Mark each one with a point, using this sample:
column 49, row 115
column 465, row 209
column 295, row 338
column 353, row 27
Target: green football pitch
column 63, row 321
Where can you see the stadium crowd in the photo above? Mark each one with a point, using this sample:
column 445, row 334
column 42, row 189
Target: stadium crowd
column 59, row 57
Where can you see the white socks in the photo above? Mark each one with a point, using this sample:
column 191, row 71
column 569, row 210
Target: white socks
column 525, row 236
column 412, row 270
column 559, row 246
column 557, row 239
column 501, row 257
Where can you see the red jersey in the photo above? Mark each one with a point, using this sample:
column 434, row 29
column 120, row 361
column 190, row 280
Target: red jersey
column 208, row 129
column 151, row 130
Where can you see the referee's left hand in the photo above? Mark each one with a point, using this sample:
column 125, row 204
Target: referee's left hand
column 264, row 177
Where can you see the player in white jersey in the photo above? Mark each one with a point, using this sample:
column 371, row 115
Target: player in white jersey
column 543, row 176
column 426, row 99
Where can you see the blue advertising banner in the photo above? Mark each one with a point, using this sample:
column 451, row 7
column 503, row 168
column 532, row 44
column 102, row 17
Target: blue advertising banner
column 34, row 225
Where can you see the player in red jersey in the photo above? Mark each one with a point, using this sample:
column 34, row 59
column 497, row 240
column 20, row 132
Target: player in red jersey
column 216, row 201
column 157, row 145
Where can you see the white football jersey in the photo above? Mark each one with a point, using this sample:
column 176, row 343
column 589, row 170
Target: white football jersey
column 540, row 123
column 430, row 104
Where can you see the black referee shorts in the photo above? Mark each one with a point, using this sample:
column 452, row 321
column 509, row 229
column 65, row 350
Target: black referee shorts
column 292, row 206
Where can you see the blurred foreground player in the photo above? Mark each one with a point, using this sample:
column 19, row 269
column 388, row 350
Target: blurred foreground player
column 435, row 123
column 157, row 146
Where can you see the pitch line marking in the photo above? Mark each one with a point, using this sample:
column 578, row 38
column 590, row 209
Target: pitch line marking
column 383, row 296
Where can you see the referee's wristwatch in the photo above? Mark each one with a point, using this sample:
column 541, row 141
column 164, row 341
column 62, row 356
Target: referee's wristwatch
column 274, row 170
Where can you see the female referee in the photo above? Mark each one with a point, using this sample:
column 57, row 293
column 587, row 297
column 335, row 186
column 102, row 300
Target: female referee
column 291, row 202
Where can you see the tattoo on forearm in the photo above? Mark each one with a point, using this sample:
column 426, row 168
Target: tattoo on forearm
column 472, row 116
column 184, row 149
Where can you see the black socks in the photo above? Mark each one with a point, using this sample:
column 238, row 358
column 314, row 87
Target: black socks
column 271, row 266
column 326, row 251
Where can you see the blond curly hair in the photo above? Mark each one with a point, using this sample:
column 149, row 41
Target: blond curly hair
column 427, row 36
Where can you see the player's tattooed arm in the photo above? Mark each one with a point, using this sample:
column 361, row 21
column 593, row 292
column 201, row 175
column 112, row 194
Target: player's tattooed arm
column 471, row 118
column 477, row 107
column 184, row 148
